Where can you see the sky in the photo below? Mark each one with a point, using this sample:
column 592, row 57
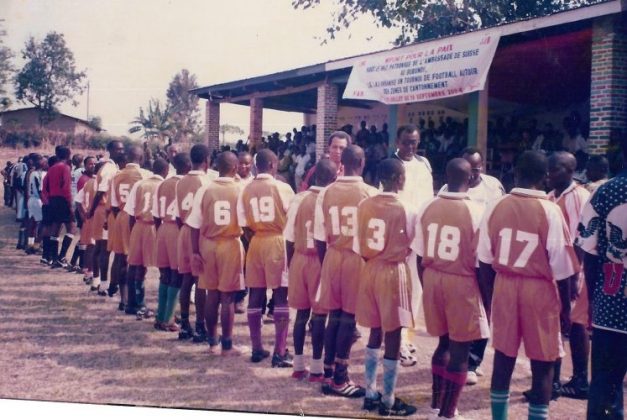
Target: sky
column 131, row 49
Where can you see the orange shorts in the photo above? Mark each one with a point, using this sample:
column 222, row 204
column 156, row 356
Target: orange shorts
column 385, row 296
column 98, row 221
column 184, row 250
column 223, row 264
column 167, row 238
column 141, row 250
column 120, row 234
column 266, row 262
column 339, row 280
column 111, row 229
column 86, row 233
column 304, row 281
column 453, row 306
column 528, row 310
column 579, row 308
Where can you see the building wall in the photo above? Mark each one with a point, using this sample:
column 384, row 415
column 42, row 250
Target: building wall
column 29, row 119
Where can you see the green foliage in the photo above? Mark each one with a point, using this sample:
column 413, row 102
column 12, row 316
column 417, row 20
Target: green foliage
column 40, row 136
column 231, row 129
column 49, row 76
column 420, row 20
column 183, row 106
column 6, row 70
column 156, row 122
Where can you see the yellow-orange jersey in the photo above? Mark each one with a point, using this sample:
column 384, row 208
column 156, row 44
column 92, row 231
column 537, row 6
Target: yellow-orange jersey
column 85, row 196
column 447, row 233
column 571, row 202
column 140, row 199
column 300, row 219
column 335, row 219
column 214, row 211
column 186, row 190
column 385, row 228
column 103, row 180
column 524, row 234
column 123, row 183
column 164, row 204
column 262, row 205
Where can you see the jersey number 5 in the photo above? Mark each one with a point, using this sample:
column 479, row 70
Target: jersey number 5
column 530, row 240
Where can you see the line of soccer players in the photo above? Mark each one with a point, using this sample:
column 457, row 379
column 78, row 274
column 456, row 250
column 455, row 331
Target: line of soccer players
column 337, row 253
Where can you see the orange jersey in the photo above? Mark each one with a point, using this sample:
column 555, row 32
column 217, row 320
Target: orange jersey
column 164, row 205
column 140, row 199
column 571, row 202
column 335, row 220
column 385, row 229
column 103, row 180
column 300, row 219
column 123, row 183
column 262, row 205
column 525, row 235
column 215, row 210
column 447, row 233
column 87, row 197
column 186, row 190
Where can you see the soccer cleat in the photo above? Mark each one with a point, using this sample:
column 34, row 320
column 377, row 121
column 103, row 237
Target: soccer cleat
column 240, row 308
column 121, row 306
column 186, row 332
column 471, row 378
column 101, row 292
column 407, row 359
column 371, row 404
column 62, row 263
column 285, row 361
column 555, row 392
column 300, row 375
column 112, row 290
column 399, row 408
column 411, row 348
column 259, row 355
column 144, row 313
column 44, row 261
column 31, row 250
column 577, row 388
column 159, row 326
column 171, row 327
column 347, row 389
column 316, row 377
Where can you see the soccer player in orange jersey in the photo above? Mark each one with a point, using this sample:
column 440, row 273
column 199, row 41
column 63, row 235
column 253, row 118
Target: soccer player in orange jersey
column 119, row 230
column 262, row 208
column 334, row 231
column 571, row 198
column 99, row 210
column 525, row 240
column 446, row 244
column 164, row 213
column 83, row 202
column 385, row 230
column 141, row 248
column 218, row 254
column 304, row 272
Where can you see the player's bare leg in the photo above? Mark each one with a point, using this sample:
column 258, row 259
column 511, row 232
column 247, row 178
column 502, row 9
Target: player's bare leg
column 212, row 304
column 256, row 298
column 299, row 333
column 200, row 296
column 330, row 338
column 281, row 358
column 187, row 282
column 578, row 386
column 453, row 383
column 102, row 256
column 227, row 315
column 439, row 362
column 499, row 388
column 88, row 263
column 118, row 271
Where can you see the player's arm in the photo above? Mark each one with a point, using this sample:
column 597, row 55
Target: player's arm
column 563, row 287
column 486, row 285
column 96, row 202
column 420, row 268
column 155, row 210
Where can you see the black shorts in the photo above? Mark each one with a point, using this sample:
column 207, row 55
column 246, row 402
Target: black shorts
column 59, row 210
column 45, row 215
column 77, row 217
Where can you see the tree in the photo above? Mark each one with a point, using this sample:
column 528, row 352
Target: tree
column 49, row 76
column 420, row 20
column 6, row 69
column 183, row 105
column 232, row 129
column 157, row 123
column 95, row 122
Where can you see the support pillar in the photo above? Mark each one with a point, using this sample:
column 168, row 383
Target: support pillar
column 326, row 116
column 608, row 89
column 212, row 124
column 256, row 121
column 478, row 120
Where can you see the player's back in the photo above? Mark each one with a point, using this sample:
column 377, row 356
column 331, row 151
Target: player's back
column 186, row 190
column 35, row 184
column 90, row 192
column 304, row 222
column 526, row 233
column 448, row 233
column 166, row 199
column 144, row 194
column 336, row 211
column 104, row 177
column 122, row 184
column 263, row 203
column 385, row 228
column 219, row 207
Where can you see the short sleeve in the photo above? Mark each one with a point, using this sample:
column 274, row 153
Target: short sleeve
column 241, row 213
column 106, row 176
column 561, row 253
column 195, row 216
column 417, row 244
column 290, row 225
column 130, row 201
column 319, row 229
column 286, row 193
column 80, row 196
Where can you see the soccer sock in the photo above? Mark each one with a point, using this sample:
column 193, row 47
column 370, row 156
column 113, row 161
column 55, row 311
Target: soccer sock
column 45, row 248
column 65, row 245
column 340, row 375
column 31, row 241
column 281, row 328
column 131, row 299
column 390, row 373
column 453, row 385
column 140, row 291
column 163, row 297
column 254, row 325
column 81, row 255
column 20, row 238
column 370, row 361
column 173, row 297
column 75, row 255
column 299, row 363
column 316, row 367
column 437, row 372
column 499, row 402
column 538, row 412
column 317, row 335
column 557, row 369
column 54, row 248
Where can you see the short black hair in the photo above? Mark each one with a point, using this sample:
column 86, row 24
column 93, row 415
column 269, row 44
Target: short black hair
column 600, row 163
column 389, row 169
column 87, row 158
column 181, row 160
column 62, row 152
column 199, row 153
column 263, row 159
column 111, row 144
column 52, row 160
column 407, row 128
column 532, row 166
column 471, row 150
column 160, row 166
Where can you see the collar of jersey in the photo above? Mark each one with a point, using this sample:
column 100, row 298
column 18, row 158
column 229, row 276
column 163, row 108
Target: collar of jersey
column 196, row 172
column 132, row 165
column 388, row 194
column 453, row 195
column 528, row 192
column 315, row 188
column 264, row 176
column 224, row 179
column 354, row 178
column 156, row 176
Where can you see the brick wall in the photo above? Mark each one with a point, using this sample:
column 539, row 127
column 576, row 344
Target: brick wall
column 212, row 124
column 326, row 116
column 256, row 121
column 608, row 93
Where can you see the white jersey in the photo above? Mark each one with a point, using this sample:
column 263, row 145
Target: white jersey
column 488, row 191
column 35, row 182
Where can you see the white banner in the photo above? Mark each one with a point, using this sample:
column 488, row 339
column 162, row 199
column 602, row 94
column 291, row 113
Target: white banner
column 433, row 70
